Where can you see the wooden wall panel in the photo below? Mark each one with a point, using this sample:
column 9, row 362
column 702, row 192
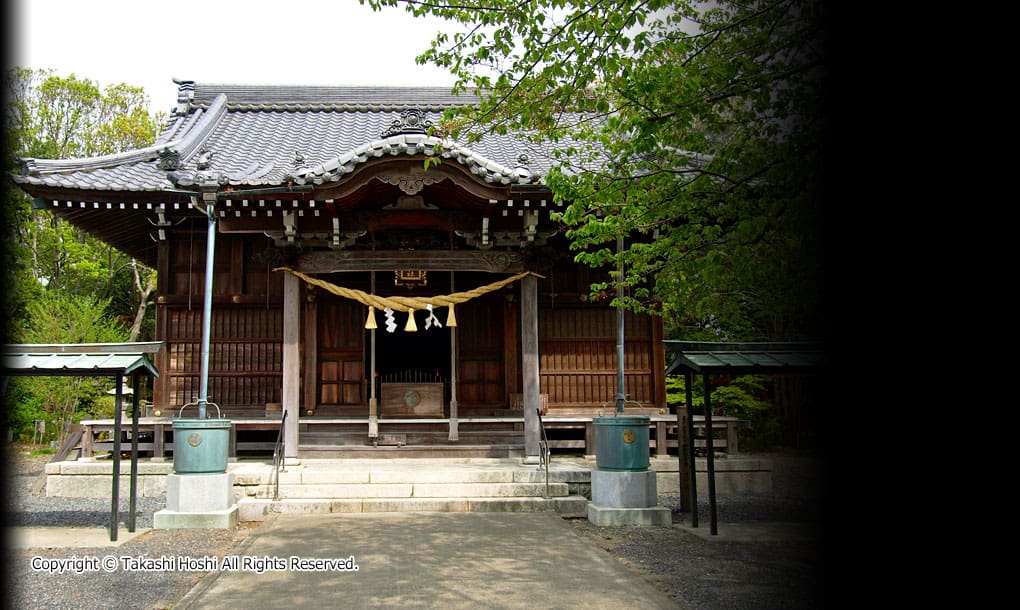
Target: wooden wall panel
column 341, row 347
column 481, row 384
column 242, row 269
column 577, row 348
column 245, row 357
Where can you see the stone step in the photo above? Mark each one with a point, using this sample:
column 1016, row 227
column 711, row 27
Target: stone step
column 406, row 490
column 331, row 451
column 257, row 509
column 411, row 475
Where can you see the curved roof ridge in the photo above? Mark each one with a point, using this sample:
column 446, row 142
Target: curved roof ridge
column 184, row 146
column 336, row 167
column 327, row 97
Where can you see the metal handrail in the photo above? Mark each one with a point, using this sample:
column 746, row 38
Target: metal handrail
column 278, row 458
column 546, row 452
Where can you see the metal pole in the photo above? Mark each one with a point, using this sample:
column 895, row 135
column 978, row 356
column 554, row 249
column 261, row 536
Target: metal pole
column 689, row 383
column 135, row 403
column 210, row 252
column 620, row 393
column 115, row 491
column 710, row 455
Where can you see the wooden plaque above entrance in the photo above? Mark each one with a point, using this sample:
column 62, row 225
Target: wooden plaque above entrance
column 428, row 260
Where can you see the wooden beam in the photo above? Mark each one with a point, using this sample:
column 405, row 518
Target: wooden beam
column 393, row 260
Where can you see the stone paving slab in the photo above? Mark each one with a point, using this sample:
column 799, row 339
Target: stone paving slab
column 49, row 537
column 424, row 560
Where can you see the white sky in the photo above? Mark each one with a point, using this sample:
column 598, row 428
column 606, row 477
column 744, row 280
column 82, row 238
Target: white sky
column 148, row 43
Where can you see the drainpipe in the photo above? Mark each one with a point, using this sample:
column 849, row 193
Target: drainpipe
column 209, row 199
column 620, row 396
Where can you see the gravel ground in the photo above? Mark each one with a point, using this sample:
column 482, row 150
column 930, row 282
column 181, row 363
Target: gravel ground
column 781, row 571
column 142, row 590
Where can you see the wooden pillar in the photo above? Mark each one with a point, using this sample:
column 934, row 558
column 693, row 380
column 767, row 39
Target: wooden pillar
column 454, row 429
column 661, row 444
column 291, row 362
column 529, row 367
column 311, row 357
column 373, row 400
column 158, row 442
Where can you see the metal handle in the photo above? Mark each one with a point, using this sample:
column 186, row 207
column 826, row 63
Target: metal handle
column 219, row 414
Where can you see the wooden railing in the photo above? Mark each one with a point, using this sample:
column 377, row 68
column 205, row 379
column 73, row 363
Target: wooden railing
column 156, row 434
column 661, row 437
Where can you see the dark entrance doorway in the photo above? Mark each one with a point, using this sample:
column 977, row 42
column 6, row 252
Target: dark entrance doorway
column 422, row 356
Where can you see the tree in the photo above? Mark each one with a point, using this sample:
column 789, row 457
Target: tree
column 50, row 116
column 63, row 400
column 64, row 285
column 694, row 131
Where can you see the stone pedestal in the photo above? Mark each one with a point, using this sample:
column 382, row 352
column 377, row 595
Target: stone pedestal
column 625, row 498
column 198, row 501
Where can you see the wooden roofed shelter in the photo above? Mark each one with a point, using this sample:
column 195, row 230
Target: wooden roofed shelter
column 719, row 358
column 95, row 360
column 330, row 183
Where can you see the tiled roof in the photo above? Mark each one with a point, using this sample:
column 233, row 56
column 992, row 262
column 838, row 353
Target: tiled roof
column 264, row 136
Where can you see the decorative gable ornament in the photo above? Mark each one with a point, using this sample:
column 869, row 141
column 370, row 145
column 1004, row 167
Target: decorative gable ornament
column 410, row 121
column 169, row 159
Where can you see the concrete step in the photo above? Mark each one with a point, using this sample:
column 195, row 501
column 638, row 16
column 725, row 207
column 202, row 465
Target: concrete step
column 256, row 509
column 405, row 473
column 332, row 451
column 406, row 490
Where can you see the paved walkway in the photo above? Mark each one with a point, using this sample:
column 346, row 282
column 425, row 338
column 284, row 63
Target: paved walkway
column 27, row 537
column 423, row 560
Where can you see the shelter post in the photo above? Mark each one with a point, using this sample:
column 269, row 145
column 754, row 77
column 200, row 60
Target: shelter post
column 135, row 402
column 115, row 491
column 710, row 456
column 692, row 479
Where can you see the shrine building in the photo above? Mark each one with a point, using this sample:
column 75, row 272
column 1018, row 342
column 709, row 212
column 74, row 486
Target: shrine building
column 374, row 301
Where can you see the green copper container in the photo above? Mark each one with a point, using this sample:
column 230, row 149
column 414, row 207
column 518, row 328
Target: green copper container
column 201, row 445
column 621, row 443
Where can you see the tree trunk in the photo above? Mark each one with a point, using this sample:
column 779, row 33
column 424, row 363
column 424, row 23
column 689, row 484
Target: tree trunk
column 143, row 301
